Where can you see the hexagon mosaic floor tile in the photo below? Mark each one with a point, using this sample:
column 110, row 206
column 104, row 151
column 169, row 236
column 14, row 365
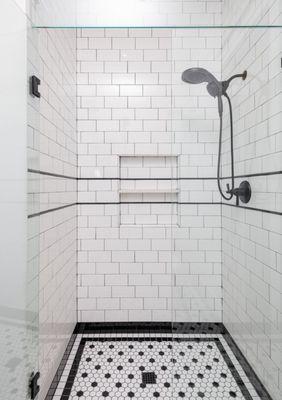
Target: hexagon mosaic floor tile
column 152, row 368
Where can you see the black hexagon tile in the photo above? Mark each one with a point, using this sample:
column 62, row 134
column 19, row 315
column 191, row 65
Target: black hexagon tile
column 153, row 368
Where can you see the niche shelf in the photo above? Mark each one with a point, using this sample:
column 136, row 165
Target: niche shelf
column 157, row 191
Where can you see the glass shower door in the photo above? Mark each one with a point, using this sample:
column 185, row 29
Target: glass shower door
column 226, row 266
column 18, row 246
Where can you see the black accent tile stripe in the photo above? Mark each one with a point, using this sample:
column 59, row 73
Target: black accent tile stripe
column 254, row 175
column 150, row 327
column 39, row 172
column 50, row 210
column 254, row 209
column 149, row 202
column 185, row 203
column 60, row 369
column 154, row 202
column 252, row 376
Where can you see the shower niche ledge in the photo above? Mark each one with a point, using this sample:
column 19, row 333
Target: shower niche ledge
column 153, row 191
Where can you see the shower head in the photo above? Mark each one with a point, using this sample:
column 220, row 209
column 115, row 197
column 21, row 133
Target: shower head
column 214, row 87
column 198, row 75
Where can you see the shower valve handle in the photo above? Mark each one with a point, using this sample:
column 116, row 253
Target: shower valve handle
column 243, row 192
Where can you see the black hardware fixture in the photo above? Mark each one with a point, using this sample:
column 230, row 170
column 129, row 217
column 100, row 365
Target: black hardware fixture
column 243, row 192
column 34, row 83
column 33, row 385
column 218, row 89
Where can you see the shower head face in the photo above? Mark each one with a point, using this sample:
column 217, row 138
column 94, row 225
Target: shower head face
column 198, row 75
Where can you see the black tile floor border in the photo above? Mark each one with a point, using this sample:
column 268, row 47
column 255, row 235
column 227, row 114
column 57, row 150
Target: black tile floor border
column 150, row 327
column 74, row 369
column 154, row 327
column 246, row 366
column 61, row 368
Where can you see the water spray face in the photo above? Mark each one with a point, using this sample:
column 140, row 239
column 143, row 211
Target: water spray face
column 198, row 75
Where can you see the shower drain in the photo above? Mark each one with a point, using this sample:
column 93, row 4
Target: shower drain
column 149, row 378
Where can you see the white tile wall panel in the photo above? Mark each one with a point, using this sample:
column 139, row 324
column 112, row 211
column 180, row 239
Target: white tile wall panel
column 150, row 13
column 138, row 102
column 252, row 239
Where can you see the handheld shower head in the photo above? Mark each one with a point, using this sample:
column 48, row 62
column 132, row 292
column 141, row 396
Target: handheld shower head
column 218, row 89
column 214, row 87
column 200, row 75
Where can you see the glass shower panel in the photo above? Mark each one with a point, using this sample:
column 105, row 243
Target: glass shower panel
column 19, row 268
column 226, row 253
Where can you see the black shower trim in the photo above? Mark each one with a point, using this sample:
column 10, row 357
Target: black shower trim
column 39, row 172
column 153, row 202
column 54, row 175
column 149, row 202
column 160, row 327
column 254, row 175
column 185, row 203
column 50, row 210
column 253, row 209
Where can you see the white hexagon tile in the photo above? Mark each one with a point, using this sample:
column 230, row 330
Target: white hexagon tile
column 161, row 367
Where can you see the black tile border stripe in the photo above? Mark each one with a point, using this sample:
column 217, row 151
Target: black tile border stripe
column 46, row 173
column 74, row 368
column 154, row 202
column 249, row 371
column 54, row 175
column 151, row 202
column 61, row 368
column 186, row 203
column 253, row 209
column 150, row 327
column 50, row 210
column 254, row 175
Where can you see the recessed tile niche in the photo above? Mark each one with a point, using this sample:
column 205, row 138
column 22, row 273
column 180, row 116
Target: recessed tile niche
column 148, row 190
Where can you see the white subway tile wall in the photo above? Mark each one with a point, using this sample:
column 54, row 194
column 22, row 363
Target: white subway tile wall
column 147, row 13
column 52, row 148
column 142, row 260
column 251, row 240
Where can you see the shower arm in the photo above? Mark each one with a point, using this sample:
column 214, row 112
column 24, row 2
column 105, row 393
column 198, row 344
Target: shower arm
column 225, row 84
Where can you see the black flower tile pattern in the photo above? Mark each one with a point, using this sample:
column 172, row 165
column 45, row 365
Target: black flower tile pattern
column 151, row 368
